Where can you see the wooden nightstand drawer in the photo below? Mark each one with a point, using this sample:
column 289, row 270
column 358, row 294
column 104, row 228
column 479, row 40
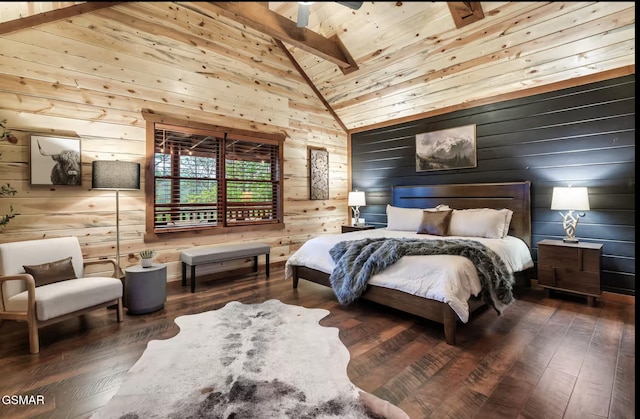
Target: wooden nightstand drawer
column 591, row 260
column 581, row 282
column 565, row 257
column 545, row 275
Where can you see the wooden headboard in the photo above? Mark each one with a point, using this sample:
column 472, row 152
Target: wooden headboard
column 513, row 195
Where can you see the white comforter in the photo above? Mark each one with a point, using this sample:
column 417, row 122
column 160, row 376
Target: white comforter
column 446, row 278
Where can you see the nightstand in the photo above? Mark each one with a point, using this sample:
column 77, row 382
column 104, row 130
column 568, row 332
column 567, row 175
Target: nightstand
column 570, row 267
column 348, row 229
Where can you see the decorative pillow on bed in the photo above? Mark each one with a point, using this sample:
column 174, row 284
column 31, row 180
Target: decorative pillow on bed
column 480, row 222
column 403, row 219
column 407, row 219
column 48, row 273
column 435, row 222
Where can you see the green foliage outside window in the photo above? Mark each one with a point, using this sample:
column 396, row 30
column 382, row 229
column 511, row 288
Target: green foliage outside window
column 247, row 182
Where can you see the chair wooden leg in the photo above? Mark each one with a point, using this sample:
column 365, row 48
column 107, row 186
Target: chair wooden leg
column 34, row 340
column 119, row 310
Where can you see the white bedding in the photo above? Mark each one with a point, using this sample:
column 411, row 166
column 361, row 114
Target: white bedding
column 446, row 278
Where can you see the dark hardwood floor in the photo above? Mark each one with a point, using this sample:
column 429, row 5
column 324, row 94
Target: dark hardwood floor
column 544, row 358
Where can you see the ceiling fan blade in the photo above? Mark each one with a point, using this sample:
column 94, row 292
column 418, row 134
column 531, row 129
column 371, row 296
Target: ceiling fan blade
column 355, row 5
column 303, row 14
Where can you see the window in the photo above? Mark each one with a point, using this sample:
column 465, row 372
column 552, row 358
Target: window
column 213, row 179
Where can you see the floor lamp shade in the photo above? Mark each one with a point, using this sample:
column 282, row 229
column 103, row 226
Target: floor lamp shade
column 115, row 174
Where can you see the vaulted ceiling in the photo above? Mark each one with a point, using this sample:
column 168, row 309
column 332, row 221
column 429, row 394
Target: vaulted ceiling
column 401, row 59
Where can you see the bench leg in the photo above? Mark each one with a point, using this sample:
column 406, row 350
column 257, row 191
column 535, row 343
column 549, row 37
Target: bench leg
column 255, row 263
column 267, row 264
column 184, row 274
column 193, row 278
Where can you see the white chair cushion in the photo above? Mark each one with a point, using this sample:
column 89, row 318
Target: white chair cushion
column 65, row 297
column 35, row 252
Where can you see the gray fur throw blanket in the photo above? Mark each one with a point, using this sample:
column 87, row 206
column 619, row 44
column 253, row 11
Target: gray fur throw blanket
column 358, row 260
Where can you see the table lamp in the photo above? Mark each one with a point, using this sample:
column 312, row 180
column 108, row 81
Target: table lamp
column 570, row 199
column 355, row 201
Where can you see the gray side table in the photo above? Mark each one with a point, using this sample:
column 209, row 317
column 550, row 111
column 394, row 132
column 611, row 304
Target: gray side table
column 145, row 289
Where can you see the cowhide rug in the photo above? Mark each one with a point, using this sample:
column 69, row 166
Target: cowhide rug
column 268, row 360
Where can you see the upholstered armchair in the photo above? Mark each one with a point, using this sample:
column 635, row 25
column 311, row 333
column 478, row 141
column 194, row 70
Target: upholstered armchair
column 43, row 282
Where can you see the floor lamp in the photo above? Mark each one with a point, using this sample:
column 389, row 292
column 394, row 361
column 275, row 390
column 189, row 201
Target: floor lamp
column 116, row 175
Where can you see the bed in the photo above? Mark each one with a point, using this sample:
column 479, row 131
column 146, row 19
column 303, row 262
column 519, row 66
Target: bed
column 312, row 261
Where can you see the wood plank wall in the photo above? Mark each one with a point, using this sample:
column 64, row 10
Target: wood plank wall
column 55, row 211
column 91, row 77
column 584, row 136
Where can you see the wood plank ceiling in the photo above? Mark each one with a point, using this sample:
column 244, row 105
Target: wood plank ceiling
column 408, row 58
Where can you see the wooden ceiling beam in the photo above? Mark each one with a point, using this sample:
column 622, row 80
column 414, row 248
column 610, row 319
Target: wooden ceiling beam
column 311, row 85
column 53, row 15
column 256, row 16
column 465, row 12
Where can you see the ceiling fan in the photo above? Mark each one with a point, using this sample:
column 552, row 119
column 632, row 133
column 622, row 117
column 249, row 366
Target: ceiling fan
column 303, row 10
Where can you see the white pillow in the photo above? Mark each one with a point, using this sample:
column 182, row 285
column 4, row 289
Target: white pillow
column 403, row 219
column 480, row 222
column 407, row 219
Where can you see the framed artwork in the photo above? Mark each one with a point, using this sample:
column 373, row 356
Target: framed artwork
column 453, row 148
column 319, row 173
column 55, row 161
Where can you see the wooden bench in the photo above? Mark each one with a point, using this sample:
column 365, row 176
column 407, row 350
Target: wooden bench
column 221, row 253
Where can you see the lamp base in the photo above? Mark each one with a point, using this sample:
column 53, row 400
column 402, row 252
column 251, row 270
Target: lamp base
column 569, row 224
column 356, row 216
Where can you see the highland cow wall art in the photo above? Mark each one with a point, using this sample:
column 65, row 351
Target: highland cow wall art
column 55, row 161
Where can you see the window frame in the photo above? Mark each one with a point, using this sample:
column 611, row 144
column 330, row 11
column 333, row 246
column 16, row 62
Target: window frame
column 152, row 120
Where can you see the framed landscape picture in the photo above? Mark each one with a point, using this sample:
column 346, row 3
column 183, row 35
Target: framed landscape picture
column 453, row 148
column 55, row 161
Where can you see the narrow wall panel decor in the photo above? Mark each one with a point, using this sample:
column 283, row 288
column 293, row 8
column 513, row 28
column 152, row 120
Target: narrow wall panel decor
column 55, row 161
column 319, row 176
column 453, row 148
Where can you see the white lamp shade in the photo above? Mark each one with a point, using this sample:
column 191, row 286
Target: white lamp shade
column 356, row 199
column 570, row 198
